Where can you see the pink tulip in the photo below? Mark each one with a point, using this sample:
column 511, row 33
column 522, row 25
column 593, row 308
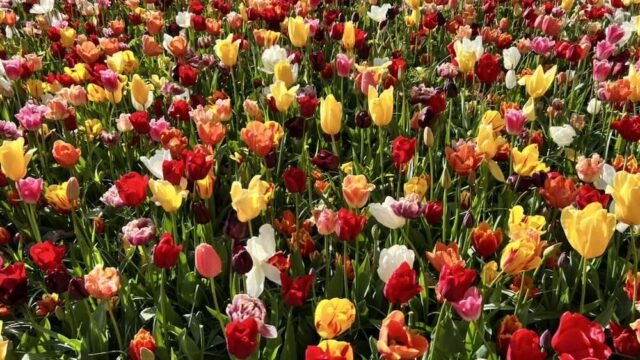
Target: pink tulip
column 326, row 221
column 605, row 49
column 514, row 121
column 470, row 307
column 614, row 34
column 343, row 65
column 366, row 79
column 13, row 68
column 208, row 261
column 29, row 190
column 109, row 80
column 542, row 45
column 601, row 70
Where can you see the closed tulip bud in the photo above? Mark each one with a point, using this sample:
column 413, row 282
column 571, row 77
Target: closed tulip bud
column 445, row 179
column 208, row 261
column 73, row 189
column 363, row 120
column 201, row 213
column 468, row 220
column 330, row 115
column 349, row 35
column 428, row 136
column 271, row 159
column 241, row 260
column 563, row 260
column 235, row 228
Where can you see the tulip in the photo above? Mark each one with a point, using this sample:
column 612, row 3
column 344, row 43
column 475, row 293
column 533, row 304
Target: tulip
column 262, row 248
column 29, row 190
column 349, row 35
column 625, row 191
column 514, row 121
column 227, row 50
column 208, row 261
column 102, row 283
column 67, row 37
column 251, row 201
column 467, row 53
column 13, row 159
column 283, row 71
column 385, row 215
column 588, row 230
column 391, row 258
column 282, row 97
column 356, row 190
column 141, row 93
column 562, row 135
column 166, row 253
column 380, row 107
column 333, row 317
column 397, row 342
column 470, row 306
column 57, row 198
column 167, row 195
column 329, row 349
column 330, row 115
column 142, row 343
column 522, row 253
column 343, row 65
column 298, row 31
column 65, row 154
column 527, row 162
column 123, row 62
column 539, row 82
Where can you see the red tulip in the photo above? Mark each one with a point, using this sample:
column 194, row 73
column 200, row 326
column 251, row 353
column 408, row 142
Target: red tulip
column 402, row 286
column 132, row 188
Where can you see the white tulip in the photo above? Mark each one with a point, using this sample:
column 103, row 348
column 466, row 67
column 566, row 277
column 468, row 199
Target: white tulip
column 392, row 258
column 385, row 215
column 379, row 13
column 262, row 248
column 183, row 19
column 154, row 164
column 562, row 135
column 271, row 56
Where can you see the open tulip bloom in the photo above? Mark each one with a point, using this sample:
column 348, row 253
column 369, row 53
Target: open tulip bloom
column 314, row 179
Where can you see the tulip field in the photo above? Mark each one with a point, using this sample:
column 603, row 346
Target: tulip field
column 319, row 179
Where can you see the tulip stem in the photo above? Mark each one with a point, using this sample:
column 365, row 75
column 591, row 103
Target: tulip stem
column 584, row 284
column 163, row 296
column 116, row 329
column 213, row 292
column 634, row 250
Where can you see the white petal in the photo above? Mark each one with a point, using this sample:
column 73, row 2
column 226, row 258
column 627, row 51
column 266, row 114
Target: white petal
column 255, row 281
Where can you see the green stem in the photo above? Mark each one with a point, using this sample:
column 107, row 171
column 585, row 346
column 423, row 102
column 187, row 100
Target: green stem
column 116, row 329
column 584, row 285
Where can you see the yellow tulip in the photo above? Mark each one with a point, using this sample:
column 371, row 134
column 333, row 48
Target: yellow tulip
column 67, row 37
column 282, row 71
column 283, row 97
column 337, row 349
column 298, row 31
column 141, row 95
column 522, row 253
column 380, row 107
column 5, row 344
column 494, row 119
column 167, row 195
column 529, row 109
column 204, row 187
column 123, row 62
column 93, row 128
column 227, row 50
column 13, row 159
column 489, row 272
column 539, row 82
column 567, row 4
column 96, row 93
column 518, row 221
column 412, row 19
column 349, row 35
column 413, row 4
column 330, row 115
column 78, row 73
column 417, row 185
column 35, row 88
column 588, row 230
column 250, row 202
column 487, row 141
column 333, row 317
column 115, row 97
column 266, row 38
column 57, row 197
column 634, row 80
column 625, row 191
column 526, row 162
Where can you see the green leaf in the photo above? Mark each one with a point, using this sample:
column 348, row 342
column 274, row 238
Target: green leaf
column 335, row 287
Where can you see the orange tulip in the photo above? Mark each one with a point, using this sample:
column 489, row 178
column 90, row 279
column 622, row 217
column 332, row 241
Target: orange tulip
column 88, row 52
column 261, row 138
column 356, row 190
column 155, row 22
column 443, row 254
column 65, row 154
column 464, row 160
column 211, row 133
column 397, row 342
column 178, row 46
